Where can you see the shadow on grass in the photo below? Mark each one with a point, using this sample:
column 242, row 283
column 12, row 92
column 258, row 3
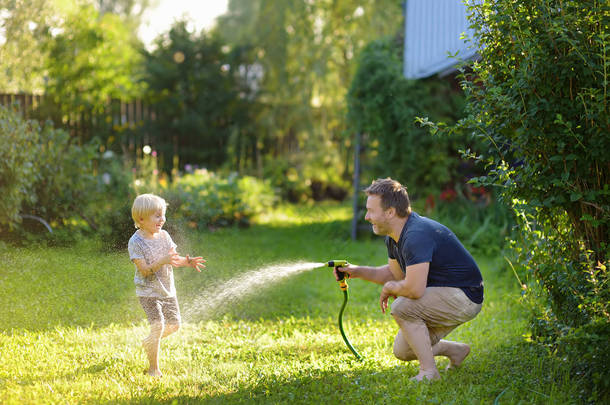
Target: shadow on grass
column 518, row 373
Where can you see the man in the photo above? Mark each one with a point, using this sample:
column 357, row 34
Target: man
column 436, row 283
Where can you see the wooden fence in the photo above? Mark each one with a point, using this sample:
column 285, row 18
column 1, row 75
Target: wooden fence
column 125, row 122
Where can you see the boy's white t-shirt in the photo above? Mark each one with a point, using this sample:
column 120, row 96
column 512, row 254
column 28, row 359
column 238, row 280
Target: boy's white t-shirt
column 161, row 283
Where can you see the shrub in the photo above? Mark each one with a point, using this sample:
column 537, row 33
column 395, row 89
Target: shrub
column 205, row 198
column 18, row 143
column 290, row 182
column 43, row 173
column 65, row 183
column 115, row 194
column 383, row 105
column 538, row 97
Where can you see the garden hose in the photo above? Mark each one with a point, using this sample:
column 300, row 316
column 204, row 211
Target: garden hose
column 343, row 285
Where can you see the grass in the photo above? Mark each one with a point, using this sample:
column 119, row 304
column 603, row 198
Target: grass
column 71, row 325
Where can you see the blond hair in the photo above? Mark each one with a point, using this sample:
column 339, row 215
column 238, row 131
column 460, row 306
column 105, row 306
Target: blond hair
column 145, row 205
column 393, row 194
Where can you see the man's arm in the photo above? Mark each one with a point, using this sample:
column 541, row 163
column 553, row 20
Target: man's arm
column 413, row 285
column 378, row 275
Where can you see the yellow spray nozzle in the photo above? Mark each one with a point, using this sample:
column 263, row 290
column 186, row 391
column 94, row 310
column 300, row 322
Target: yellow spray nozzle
column 337, row 263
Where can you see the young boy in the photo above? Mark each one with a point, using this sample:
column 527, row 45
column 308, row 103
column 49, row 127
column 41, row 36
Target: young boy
column 154, row 253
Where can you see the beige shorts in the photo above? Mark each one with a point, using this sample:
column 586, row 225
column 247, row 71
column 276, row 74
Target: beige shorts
column 161, row 310
column 441, row 309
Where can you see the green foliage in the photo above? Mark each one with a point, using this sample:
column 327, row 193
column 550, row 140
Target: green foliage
column 588, row 347
column 208, row 199
column 64, row 175
column 383, row 106
column 25, row 26
column 195, row 95
column 130, row 11
column 43, row 173
column 538, row 97
column 115, row 191
column 300, row 61
column 94, row 59
column 18, row 144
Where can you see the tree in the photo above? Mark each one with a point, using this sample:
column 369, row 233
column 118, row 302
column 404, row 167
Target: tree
column 27, row 26
column 383, row 105
column 93, row 59
column 24, row 27
column 195, row 94
column 305, row 51
column 130, row 11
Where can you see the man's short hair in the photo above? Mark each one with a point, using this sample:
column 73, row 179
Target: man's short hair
column 393, row 194
column 145, row 205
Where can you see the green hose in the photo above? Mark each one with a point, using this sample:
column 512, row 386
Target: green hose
column 345, row 298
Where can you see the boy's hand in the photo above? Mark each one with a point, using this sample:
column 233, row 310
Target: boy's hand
column 195, row 262
column 171, row 258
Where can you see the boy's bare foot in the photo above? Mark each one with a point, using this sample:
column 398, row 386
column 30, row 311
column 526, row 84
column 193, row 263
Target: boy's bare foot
column 457, row 353
column 154, row 373
column 426, row 375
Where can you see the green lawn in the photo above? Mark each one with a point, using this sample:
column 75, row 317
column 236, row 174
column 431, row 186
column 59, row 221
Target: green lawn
column 70, row 328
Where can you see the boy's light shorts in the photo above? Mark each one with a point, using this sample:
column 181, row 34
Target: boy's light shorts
column 161, row 310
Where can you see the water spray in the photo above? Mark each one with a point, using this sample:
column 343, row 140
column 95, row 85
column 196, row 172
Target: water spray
column 342, row 279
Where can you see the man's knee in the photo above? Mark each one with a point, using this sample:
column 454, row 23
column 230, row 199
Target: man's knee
column 402, row 350
column 404, row 308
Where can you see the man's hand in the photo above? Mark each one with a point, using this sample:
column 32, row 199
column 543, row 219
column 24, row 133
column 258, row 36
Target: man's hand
column 385, row 296
column 347, row 272
column 383, row 300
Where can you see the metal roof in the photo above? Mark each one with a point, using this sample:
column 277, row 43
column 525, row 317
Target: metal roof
column 432, row 30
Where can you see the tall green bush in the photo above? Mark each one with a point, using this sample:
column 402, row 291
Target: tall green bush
column 206, row 198
column 64, row 182
column 383, row 105
column 18, row 139
column 538, row 97
column 42, row 171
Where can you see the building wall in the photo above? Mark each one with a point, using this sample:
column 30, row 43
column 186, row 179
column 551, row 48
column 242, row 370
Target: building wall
column 432, row 29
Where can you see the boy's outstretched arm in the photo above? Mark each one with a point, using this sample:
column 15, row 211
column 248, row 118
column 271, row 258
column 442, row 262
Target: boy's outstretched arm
column 147, row 270
column 194, row 262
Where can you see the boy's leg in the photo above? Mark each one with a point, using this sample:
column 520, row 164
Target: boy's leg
column 151, row 344
column 171, row 315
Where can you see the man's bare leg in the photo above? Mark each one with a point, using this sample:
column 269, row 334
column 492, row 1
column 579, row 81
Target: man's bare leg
column 454, row 351
column 416, row 334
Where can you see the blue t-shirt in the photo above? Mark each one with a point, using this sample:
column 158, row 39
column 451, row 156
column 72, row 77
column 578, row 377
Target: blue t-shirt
column 451, row 265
